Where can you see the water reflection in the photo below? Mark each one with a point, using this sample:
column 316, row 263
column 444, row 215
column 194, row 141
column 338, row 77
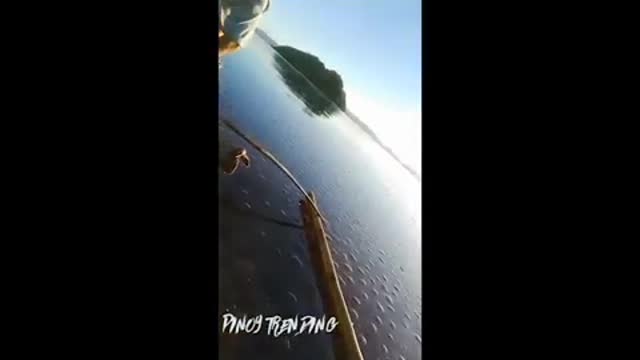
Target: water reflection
column 321, row 89
column 369, row 200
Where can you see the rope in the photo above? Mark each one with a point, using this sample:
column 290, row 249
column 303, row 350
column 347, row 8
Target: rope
column 319, row 238
column 279, row 165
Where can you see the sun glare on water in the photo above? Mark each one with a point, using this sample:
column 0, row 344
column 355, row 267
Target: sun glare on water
column 400, row 130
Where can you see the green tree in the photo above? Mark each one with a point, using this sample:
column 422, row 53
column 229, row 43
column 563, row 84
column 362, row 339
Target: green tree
column 321, row 89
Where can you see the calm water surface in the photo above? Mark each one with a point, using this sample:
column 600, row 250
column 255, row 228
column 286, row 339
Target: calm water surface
column 371, row 202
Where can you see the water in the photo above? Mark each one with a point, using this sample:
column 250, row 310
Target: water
column 371, row 202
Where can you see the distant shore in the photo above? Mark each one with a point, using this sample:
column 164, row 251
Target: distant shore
column 375, row 138
column 264, row 36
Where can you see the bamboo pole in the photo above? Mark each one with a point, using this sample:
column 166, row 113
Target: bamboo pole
column 346, row 344
column 286, row 171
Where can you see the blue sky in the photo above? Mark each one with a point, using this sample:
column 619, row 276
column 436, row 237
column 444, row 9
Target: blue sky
column 375, row 45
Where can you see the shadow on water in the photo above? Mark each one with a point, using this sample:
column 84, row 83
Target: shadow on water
column 227, row 205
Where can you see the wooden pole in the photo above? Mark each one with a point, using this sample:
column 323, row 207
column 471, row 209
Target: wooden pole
column 347, row 346
column 269, row 156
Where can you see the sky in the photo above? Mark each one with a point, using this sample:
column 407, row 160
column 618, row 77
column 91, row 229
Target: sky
column 375, row 45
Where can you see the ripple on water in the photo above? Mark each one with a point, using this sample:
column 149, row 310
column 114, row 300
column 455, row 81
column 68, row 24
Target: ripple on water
column 363, row 340
column 354, row 313
column 334, row 251
column 293, row 296
column 346, row 265
column 297, row 260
